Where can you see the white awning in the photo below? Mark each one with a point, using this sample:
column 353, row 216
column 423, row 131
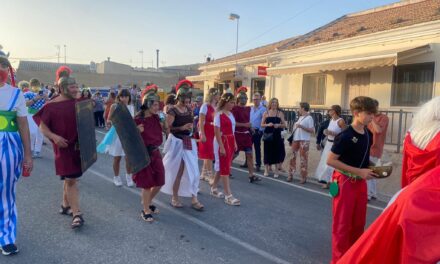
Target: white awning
column 356, row 62
column 201, row 78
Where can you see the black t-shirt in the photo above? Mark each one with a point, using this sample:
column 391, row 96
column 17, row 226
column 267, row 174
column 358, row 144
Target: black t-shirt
column 353, row 147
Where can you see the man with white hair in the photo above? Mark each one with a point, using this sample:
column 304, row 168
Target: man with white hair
column 421, row 148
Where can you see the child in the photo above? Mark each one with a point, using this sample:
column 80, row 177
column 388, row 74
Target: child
column 15, row 153
column 111, row 143
column 350, row 158
column 224, row 147
column 152, row 177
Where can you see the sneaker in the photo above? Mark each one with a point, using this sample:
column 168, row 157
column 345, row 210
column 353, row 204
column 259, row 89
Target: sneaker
column 37, row 155
column 10, row 249
column 117, row 181
column 130, row 182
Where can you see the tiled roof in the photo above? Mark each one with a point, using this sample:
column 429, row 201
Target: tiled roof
column 395, row 16
column 401, row 14
column 51, row 66
column 254, row 52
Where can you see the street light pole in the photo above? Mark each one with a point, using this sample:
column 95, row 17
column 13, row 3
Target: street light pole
column 233, row 16
column 65, row 54
column 142, row 58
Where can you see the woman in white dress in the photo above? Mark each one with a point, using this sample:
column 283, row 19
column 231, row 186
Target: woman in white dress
column 111, row 143
column 337, row 124
column 180, row 159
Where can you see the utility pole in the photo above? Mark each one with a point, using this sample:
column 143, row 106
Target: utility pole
column 65, row 54
column 142, row 58
column 58, row 52
column 157, row 59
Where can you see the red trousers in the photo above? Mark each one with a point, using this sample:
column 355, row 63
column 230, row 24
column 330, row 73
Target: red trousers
column 349, row 214
column 226, row 160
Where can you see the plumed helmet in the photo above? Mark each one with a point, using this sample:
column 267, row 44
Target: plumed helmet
column 183, row 89
column 149, row 95
column 63, row 71
column 241, row 92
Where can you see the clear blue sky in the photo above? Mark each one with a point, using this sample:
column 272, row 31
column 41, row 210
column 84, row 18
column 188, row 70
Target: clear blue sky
column 184, row 31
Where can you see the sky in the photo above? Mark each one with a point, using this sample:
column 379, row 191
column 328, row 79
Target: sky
column 185, row 31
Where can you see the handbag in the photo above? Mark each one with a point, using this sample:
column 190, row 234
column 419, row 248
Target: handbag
column 268, row 136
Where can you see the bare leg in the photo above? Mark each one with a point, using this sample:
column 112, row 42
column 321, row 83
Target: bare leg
column 146, row 198
column 127, row 167
column 250, row 163
column 216, row 180
column 226, row 187
column 65, row 201
column 116, row 165
column 176, row 185
column 72, row 194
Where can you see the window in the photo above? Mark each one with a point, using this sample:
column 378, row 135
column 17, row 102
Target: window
column 313, row 90
column 412, row 84
column 258, row 86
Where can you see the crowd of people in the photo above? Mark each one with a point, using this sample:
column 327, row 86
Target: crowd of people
column 215, row 132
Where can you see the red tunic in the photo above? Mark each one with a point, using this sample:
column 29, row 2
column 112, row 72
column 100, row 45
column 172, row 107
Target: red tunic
column 154, row 174
column 60, row 118
column 408, row 231
column 228, row 141
column 242, row 114
column 206, row 149
column 416, row 161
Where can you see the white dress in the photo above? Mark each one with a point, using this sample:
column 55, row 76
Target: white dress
column 324, row 172
column 115, row 148
column 174, row 154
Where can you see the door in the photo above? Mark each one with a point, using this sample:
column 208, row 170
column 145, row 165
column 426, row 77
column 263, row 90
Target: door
column 356, row 84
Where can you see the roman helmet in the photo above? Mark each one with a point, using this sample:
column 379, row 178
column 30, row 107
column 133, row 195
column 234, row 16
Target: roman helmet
column 149, row 96
column 63, row 84
column 183, row 89
column 241, row 95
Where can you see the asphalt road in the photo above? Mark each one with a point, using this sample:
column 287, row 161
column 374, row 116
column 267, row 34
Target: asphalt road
column 278, row 222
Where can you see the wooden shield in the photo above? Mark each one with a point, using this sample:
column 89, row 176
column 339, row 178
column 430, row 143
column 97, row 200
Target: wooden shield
column 85, row 124
column 131, row 140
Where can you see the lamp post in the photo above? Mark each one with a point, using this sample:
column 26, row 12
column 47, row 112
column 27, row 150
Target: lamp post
column 233, row 16
column 142, row 58
column 65, row 54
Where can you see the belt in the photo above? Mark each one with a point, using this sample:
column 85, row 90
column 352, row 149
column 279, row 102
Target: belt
column 330, row 140
column 350, row 175
column 151, row 149
column 243, row 132
column 8, row 121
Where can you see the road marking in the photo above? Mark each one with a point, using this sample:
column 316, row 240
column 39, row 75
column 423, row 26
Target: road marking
column 289, row 184
column 301, row 187
column 204, row 225
column 100, row 132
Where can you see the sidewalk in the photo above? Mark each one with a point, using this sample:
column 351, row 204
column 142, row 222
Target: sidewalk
column 386, row 188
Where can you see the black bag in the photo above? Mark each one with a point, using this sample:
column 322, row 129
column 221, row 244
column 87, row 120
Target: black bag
column 268, row 136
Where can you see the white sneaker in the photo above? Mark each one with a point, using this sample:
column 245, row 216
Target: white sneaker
column 117, row 181
column 130, row 182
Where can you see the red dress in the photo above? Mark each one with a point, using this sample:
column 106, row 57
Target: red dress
column 416, row 161
column 242, row 114
column 154, row 174
column 206, row 149
column 408, row 231
column 228, row 140
column 60, row 118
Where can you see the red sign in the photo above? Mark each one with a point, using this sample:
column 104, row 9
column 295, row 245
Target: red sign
column 262, row 70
